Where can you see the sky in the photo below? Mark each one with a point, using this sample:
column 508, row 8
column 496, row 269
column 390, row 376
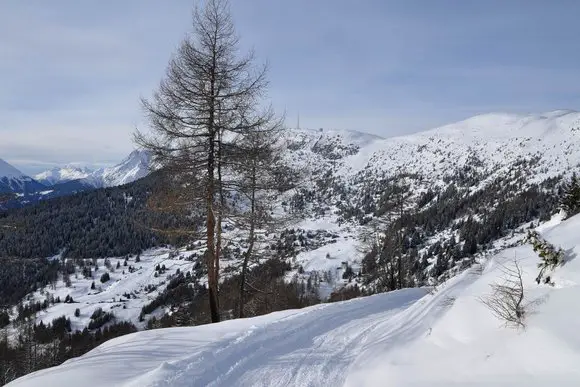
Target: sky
column 72, row 72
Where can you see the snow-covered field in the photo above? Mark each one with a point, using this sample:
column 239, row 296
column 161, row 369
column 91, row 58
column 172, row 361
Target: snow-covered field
column 124, row 294
column 411, row 337
column 137, row 284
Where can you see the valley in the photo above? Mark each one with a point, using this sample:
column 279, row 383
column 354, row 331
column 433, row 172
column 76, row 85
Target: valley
column 337, row 217
column 292, row 194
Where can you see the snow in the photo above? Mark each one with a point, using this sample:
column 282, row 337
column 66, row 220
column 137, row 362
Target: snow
column 134, row 167
column 112, row 295
column 497, row 140
column 329, row 257
column 411, row 337
column 12, row 180
column 7, row 170
column 62, row 175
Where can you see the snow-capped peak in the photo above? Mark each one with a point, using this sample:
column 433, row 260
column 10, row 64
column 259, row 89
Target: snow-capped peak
column 12, row 180
column 7, row 170
column 507, row 125
column 134, row 167
column 62, row 175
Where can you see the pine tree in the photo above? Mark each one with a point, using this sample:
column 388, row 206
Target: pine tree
column 570, row 201
column 105, row 277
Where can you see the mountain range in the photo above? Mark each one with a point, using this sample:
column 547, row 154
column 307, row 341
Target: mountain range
column 489, row 142
column 59, row 175
column 14, row 181
column 371, row 215
column 70, row 179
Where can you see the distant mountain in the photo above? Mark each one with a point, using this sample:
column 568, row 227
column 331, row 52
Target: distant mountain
column 14, row 181
column 7, row 170
column 62, row 175
column 134, row 167
column 69, row 180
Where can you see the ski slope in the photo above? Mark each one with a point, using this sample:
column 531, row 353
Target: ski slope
column 411, row 337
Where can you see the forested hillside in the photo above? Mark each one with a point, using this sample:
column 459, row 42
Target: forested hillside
column 100, row 223
column 224, row 213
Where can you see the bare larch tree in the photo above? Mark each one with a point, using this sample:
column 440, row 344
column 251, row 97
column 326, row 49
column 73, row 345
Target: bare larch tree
column 209, row 98
column 263, row 175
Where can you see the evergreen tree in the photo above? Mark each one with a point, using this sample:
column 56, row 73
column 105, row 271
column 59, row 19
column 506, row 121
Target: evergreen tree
column 550, row 255
column 105, row 277
column 570, row 200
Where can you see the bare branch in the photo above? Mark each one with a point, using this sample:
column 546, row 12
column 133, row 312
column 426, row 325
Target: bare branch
column 507, row 297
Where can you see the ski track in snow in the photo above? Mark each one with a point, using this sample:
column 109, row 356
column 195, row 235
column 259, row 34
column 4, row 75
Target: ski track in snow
column 411, row 337
column 315, row 346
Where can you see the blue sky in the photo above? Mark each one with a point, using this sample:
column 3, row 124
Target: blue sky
column 71, row 72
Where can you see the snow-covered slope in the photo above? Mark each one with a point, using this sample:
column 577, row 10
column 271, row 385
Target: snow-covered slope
column 14, row 181
column 62, row 175
column 410, row 337
column 491, row 143
column 136, row 166
column 130, row 287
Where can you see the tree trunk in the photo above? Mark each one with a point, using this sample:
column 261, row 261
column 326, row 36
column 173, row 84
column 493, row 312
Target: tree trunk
column 212, row 257
column 220, row 215
column 400, row 260
column 211, row 224
column 250, row 246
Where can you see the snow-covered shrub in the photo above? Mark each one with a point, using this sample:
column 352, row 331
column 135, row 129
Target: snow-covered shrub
column 506, row 300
